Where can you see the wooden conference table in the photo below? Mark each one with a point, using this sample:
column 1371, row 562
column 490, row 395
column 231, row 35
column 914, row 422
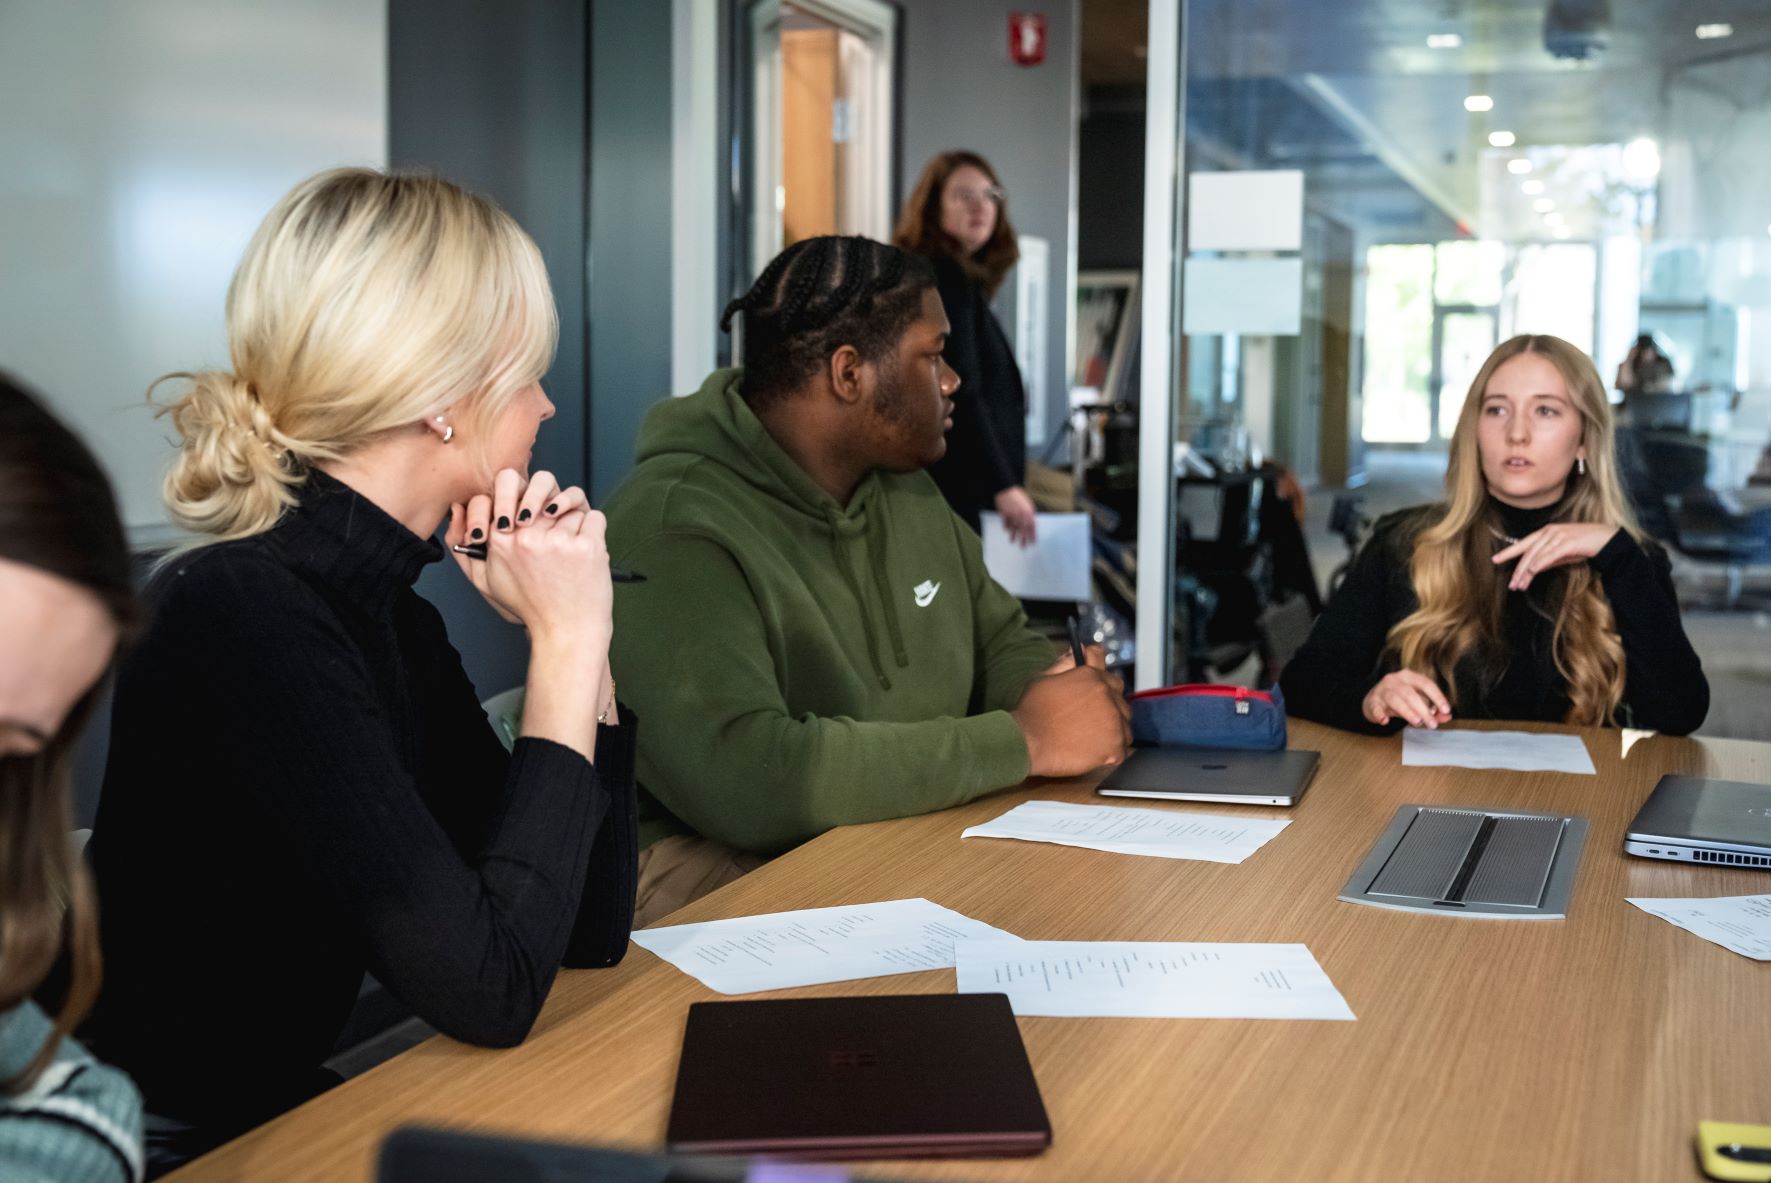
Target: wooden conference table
column 1484, row 1049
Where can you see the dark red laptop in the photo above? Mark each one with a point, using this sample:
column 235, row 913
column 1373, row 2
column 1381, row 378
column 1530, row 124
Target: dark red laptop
column 889, row 1076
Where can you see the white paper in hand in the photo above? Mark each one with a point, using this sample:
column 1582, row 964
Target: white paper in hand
column 816, row 945
column 1055, row 567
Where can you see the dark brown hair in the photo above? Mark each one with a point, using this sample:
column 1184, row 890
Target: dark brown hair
column 919, row 226
column 58, row 516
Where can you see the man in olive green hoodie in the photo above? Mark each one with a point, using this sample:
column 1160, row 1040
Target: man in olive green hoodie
column 817, row 642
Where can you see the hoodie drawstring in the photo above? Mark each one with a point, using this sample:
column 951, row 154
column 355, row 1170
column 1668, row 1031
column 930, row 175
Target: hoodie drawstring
column 877, row 553
column 835, row 521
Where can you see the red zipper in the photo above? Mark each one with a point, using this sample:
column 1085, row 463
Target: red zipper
column 1207, row 689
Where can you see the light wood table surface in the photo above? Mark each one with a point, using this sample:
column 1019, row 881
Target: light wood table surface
column 1586, row 1048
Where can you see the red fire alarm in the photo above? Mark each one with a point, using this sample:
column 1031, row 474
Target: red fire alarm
column 1026, row 38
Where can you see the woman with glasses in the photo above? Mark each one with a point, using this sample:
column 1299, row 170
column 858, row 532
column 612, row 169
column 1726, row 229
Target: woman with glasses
column 958, row 217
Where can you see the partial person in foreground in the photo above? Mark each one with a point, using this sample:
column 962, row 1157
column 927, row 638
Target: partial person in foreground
column 302, row 785
column 1531, row 594
column 957, row 218
column 819, row 643
column 66, row 601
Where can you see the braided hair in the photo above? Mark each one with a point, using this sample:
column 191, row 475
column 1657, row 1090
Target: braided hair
column 817, row 296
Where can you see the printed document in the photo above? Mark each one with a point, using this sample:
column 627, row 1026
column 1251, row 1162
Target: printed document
column 1158, row 980
column 806, row 948
column 1516, row 751
column 1738, row 922
column 1154, row 832
column 1056, row 567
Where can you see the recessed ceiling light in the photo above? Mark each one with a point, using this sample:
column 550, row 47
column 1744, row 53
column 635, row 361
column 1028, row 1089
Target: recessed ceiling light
column 1531, row 188
column 1705, row 32
column 1478, row 102
column 1452, row 40
column 1500, row 139
column 1544, row 205
column 1518, row 166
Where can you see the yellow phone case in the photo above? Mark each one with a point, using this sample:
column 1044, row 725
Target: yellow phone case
column 1712, row 1135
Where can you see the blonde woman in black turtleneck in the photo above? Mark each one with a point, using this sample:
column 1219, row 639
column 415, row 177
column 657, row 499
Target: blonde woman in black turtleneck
column 302, row 786
column 1530, row 595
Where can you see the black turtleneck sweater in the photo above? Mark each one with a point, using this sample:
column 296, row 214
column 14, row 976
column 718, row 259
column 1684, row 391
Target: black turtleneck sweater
column 987, row 448
column 302, row 787
column 1345, row 656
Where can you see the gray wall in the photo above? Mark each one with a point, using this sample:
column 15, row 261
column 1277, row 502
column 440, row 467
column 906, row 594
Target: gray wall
column 961, row 91
column 492, row 96
column 630, row 178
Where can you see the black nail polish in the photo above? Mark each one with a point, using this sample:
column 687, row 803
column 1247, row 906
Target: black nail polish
column 478, row 533
column 503, row 523
column 554, row 508
column 524, row 516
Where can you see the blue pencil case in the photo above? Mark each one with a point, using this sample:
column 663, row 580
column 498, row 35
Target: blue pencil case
column 1207, row 716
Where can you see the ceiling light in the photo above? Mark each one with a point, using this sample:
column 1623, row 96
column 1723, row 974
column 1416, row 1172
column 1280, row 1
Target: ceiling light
column 1544, row 205
column 1704, row 32
column 1518, row 166
column 1531, row 188
column 1560, row 232
column 1452, row 40
column 1641, row 159
column 1478, row 102
column 1500, row 139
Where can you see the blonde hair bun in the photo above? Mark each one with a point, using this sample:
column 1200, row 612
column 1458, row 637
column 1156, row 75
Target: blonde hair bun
column 365, row 303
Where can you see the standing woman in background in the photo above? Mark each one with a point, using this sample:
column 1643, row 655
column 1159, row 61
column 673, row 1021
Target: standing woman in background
column 1529, row 594
column 958, row 217
column 302, row 785
column 65, row 602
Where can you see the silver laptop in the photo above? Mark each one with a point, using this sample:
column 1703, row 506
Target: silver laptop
column 1696, row 820
column 1200, row 774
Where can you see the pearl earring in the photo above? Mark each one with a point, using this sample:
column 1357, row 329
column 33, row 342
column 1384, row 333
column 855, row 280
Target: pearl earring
column 1580, row 463
column 448, row 432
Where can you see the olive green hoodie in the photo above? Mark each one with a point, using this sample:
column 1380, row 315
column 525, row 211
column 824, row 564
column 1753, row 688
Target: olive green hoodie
column 800, row 664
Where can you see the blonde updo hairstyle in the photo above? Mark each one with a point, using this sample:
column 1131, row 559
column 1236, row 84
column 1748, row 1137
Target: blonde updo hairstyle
column 1462, row 594
column 365, row 303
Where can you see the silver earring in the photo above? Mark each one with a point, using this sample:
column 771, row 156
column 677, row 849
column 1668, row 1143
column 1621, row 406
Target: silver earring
column 1580, row 463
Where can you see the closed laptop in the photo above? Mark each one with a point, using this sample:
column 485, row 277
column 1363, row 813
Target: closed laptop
column 887, row 1076
column 1699, row 820
column 1201, row 774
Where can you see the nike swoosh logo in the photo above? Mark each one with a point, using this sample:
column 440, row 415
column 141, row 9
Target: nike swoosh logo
column 925, row 595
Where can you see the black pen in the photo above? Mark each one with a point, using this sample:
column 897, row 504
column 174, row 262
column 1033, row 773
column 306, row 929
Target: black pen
column 477, row 550
column 1076, row 642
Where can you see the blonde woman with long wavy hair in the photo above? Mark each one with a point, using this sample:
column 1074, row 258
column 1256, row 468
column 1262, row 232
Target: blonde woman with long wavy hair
column 1530, row 593
column 302, row 787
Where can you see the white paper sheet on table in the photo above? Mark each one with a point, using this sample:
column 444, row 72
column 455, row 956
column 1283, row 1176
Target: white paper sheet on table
column 1154, row 832
column 815, row 945
column 1516, row 751
column 1151, row 979
column 1738, row 922
column 1056, row 567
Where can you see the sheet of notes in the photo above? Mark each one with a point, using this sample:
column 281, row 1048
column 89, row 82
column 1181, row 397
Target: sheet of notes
column 1151, row 979
column 816, row 945
column 1155, row 832
column 1741, row 923
column 1515, row 751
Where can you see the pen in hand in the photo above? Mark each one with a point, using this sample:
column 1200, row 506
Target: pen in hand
column 1076, row 642
column 477, row 550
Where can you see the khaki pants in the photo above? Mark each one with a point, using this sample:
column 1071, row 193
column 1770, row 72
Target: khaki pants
column 677, row 871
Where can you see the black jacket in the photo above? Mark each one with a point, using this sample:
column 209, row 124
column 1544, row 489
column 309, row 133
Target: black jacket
column 987, row 448
column 1345, row 655
column 302, row 787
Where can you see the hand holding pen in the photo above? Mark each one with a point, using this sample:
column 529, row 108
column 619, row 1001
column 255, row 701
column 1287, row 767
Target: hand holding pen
column 546, row 563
